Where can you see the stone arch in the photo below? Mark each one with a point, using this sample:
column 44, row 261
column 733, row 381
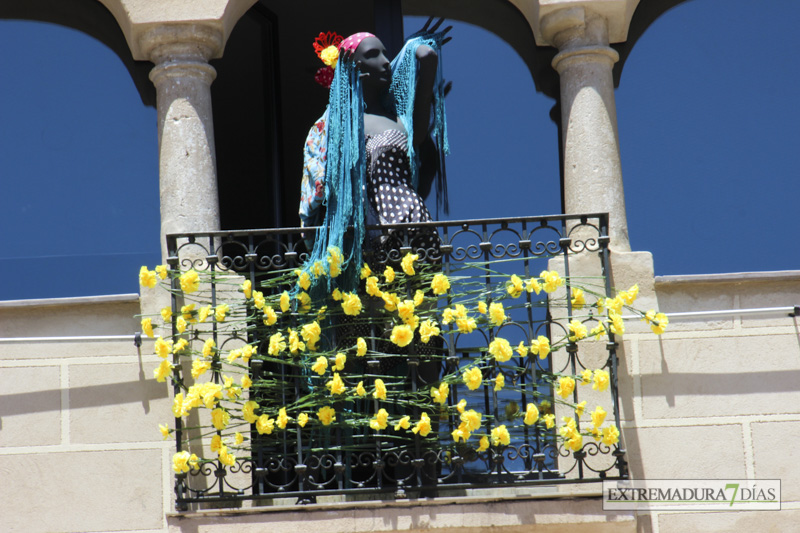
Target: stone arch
column 92, row 18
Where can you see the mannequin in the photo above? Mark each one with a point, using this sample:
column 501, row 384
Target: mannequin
column 356, row 173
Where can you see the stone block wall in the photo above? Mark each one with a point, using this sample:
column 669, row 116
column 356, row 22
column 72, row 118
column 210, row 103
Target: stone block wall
column 717, row 397
column 80, row 448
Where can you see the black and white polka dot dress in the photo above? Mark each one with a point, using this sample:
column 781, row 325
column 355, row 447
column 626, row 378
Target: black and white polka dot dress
column 391, row 195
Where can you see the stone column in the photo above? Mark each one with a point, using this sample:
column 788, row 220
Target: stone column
column 187, row 162
column 590, row 141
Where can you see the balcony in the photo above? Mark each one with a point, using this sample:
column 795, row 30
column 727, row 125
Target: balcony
column 505, row 394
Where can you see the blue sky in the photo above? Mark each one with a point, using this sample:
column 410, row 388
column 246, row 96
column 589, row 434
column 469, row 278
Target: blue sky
column 707, row 119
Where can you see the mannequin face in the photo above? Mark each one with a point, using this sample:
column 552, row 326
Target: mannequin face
column 373, row 63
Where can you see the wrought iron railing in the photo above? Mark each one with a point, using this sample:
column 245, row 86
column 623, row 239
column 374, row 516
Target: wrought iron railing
column 348, row 456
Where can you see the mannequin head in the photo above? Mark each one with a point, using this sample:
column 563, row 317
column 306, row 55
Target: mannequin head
column 373, row 65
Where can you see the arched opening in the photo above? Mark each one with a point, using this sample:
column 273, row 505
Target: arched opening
column 78, row 146
column 707, row 120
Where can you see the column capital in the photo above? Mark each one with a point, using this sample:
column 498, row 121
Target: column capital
column 550, row 17
column 181, row 43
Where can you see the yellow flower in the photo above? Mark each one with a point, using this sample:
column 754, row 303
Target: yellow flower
column 407, row 263
column 238, row 438
column 310, row 333
column 208, row 347
column 388, row 274
column 302, row 420
column 423, row 426
column 162, row 271
column 248, row 351
column 335, row 260
column 461, row 405
column 575, row 442
column 258, row 300
column 565, row 386
column 482, row 309
column 283, row 419
column 247, row 288
column 448, row 315
column 265, row 425
column 630, row 295
column 165, row 431
column 304, row 280
column 483, row 444
column 246, row 382
column 419, row 298
column 586, row 377
column 330, row 55
column 466, row 325
column 277, row 344
column 578, row 331
column 598, row 416
column 440, row 284
column 190, row 281
column 147, row 327
column 551, row 279
column 372, row 287
column 533, row 285
column 405, row 310
column 497, row 314
column 578, row 299
column 390, row 301
column 320, row 365
column 366, row 272
column 427, row 330
column 499, row 382
column 147, row 278
column 220, row 312
column 610, row 435
column 601, row 380
column 336, row 295
column 180, row 324
column 360, row 390
column 284, row 301
column 200, row 367
column 580, row 408
column 380, row 390
column 180, row 345
column 162, row 371
column 460, row 434
column 549, row 420
column 500, row 435
column 202, row 313
column 522, row 350
column 599, row 331
column 351, row 304
column 501, row 349
column 471, row 420
column 531, row 414
column 361, row 347
column 659, row 323
column 326, row 415
column 440, row 395
column 403, row 423
column 617, row 324
column 180, row 462
column 305, row 301
column 402, row 335
column 166, row 314
column 614, row 305
column 177, row 406
column 187, row 312
column 162, row 347
column 380, row 421
column 514, row 286
column 336, row 385
column 220, row 418
column 472, row 378
column 295, row 344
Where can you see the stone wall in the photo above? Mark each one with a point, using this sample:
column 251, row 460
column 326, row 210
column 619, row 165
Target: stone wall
column 717, row 397
column 80, row 448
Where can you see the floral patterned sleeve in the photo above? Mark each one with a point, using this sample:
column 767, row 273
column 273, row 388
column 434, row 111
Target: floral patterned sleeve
column 312, row 186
